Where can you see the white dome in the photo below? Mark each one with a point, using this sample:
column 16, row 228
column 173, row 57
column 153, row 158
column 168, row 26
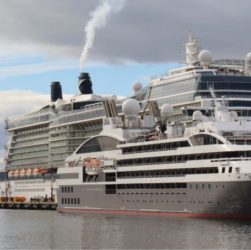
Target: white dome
column 197, row 115
column 137, row 86
column 248, row 57
column 205, row 57
column 130, row 107
column 248, row 64
column 166, row 110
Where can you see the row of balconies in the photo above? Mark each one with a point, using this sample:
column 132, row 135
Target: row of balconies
column 29, row 149
column 29, row 155
column 29, row 144
column 79, row 117
column 37, row 162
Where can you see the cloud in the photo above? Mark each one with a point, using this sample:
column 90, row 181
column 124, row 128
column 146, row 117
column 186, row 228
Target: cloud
column 15, row 102
column 144, row 31
column 35, row 68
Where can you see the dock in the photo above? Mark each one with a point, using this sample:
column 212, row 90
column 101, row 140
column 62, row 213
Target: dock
column 30, row 205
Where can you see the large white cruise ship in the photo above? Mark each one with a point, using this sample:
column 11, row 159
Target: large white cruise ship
column 39, row 142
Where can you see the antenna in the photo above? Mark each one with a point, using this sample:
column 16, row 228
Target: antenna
column 192, row 49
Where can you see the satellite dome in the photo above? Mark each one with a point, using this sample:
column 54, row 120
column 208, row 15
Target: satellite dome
column 130, row 107
column 137, row 86
column 197, row 115
column 248, row 57
column 248, row 64
column 166, row 110
column 205, row 57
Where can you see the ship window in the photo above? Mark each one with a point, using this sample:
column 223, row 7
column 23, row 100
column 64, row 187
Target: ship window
column 110, row 189
column 223, row 170
column 97, row 144
column 230, row 170
column 204, row 139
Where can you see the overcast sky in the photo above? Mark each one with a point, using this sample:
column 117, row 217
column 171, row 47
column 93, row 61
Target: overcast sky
column 144, row 31
column 41, row 41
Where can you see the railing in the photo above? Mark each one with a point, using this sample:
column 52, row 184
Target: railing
column 30, row 138
column 78, row 116
column 28, row 121
column 150, row 163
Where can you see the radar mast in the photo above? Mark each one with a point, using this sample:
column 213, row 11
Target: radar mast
column 192, row 50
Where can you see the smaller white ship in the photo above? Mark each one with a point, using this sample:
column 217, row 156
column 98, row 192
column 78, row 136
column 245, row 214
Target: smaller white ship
column 144, row 164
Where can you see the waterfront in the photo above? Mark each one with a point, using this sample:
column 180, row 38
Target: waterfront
column 22, row 229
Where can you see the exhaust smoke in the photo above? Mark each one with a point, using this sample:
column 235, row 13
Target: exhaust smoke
column 98, row 20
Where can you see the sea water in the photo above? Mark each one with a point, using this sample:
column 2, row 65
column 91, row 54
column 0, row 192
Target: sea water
column 29, row 229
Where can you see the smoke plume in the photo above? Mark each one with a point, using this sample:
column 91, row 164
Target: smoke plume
column 98, row 20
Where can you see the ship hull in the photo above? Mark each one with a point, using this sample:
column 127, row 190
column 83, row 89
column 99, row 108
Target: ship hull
column 207, row 200
column 154, row 214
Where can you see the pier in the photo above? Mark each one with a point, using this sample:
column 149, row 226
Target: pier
column 30, row 205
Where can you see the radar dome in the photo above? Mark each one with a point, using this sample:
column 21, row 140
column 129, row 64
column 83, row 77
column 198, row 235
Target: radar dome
column 205, row 58
column 197, row 115
column 166, row 110
column 137, row 86
column 130, row 107
column 248, row 57
column 248, row 64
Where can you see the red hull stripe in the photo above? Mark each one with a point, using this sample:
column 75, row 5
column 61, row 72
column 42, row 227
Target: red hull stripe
column 153, row 213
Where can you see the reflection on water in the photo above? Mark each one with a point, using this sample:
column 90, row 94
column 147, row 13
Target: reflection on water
column 51, row 230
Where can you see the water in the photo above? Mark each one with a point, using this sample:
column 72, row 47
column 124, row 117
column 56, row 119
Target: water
column 22, row 229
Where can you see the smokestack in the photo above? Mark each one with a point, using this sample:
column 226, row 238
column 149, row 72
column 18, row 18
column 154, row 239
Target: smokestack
column 85, row 84
column 56, row 91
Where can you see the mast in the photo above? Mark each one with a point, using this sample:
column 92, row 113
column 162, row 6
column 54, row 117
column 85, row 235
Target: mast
column 192, row 50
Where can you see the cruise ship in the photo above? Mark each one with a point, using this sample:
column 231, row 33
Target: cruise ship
column 152, row 166
column 39, row 142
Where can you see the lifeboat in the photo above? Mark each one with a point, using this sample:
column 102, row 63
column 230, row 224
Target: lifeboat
column 92, row 166
column 10, row 173
column 43, row 171
column 22, row 172
column 16, row 173
column 28, row 172
column 35, row 171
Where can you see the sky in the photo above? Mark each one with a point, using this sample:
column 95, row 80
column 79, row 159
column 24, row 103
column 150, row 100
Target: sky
column 41, row 42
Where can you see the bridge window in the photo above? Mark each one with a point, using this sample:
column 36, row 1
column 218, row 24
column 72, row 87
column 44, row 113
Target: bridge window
column 97, row 144
column 204, row 139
